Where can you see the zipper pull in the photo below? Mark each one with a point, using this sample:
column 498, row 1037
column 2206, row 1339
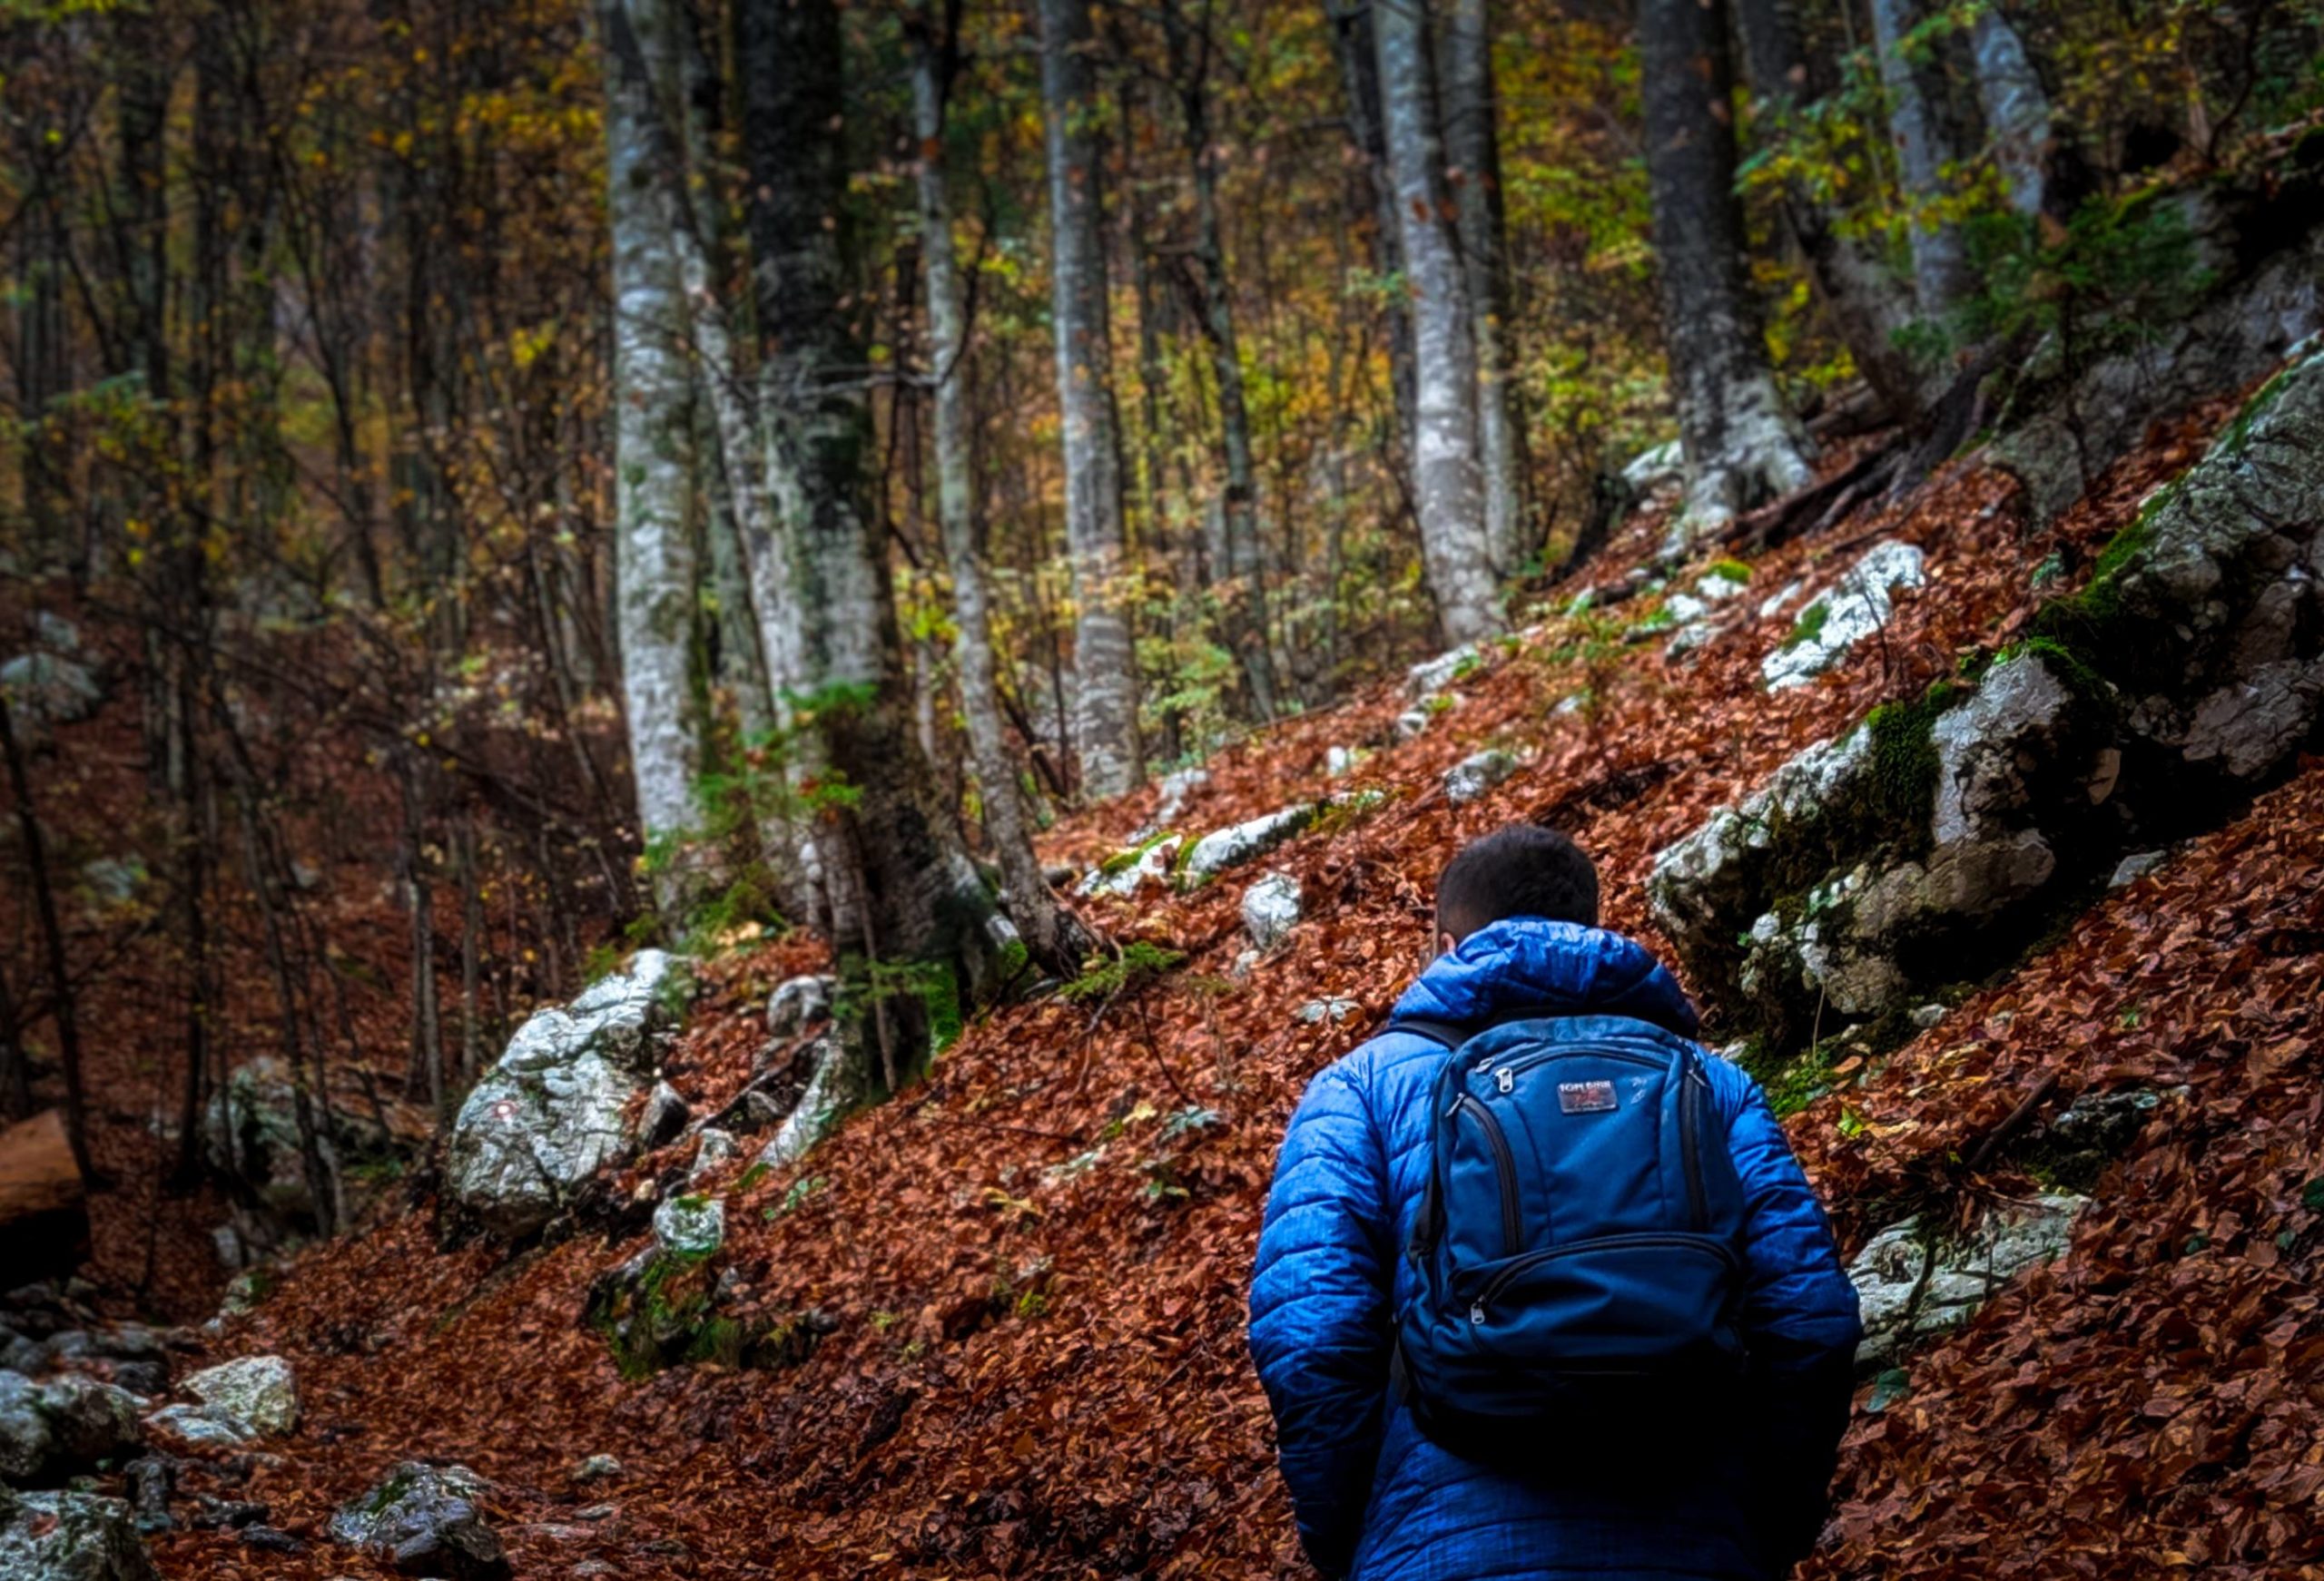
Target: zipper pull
column 1505, row 1079
column 1477, row 1313
column 1483, row 1065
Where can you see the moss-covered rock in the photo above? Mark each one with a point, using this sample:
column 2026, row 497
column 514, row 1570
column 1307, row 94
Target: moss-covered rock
column 674, row 1309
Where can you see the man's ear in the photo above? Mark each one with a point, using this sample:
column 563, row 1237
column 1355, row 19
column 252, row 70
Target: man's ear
column 1445, row 943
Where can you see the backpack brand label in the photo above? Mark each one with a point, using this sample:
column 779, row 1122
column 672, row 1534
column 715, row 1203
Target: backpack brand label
column 1587, row 1097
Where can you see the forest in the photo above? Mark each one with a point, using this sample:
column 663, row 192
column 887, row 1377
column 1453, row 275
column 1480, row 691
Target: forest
column 708, row 707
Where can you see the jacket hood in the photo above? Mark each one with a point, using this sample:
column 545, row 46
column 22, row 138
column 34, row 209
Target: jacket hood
column 1525, row 963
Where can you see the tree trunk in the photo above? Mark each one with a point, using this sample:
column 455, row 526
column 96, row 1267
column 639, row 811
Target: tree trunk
column 1472, row 153
column 1359, row 58
column 1104, row 724
column 908, row 914
column 655, row 474
column 1448, row 477
column 62, row 1004
column 1054, row 935
column 1741, row 444
column 1862, row 303
column 2017, row 108
column 1240, row 580
column 1924, row 147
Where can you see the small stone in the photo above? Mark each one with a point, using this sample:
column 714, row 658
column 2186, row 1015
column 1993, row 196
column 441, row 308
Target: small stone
column 1319, row 1010
column 665, row 1118
column 201, row 1424
column 1337, row 761
column 258, row 1390
column 691, row 1227
column 271, row 1540
column 423, row 1520
column 150, row 1484
column 1477, row 773
column 1177, row 786
column 798, row 1002
column 1655, row 468
column 1245, row 962
column 1927, row 1015
column 51, row 689
column 1433, row 675
column 1270, row 909
column 597, row 1468
column 1414, row 720
column 2135, row 866
column 1127, row 872
column 711, row 1148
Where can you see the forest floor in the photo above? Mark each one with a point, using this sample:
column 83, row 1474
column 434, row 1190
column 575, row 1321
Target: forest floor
column 1035, row 1263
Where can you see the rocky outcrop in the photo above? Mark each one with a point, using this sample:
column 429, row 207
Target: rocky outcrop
column 1224, row 848
column 69, row 1536
column 690, row 1226
column 1909, row 1285
column 51, row 688
column 1127, row 872
column 424, row 1520
column 250, row 1132
column 1941, row 833
column 69, row 1425
column 550, row 1113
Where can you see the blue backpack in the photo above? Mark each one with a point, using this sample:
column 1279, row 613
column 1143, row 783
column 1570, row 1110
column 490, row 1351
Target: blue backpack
column 1578, row 1250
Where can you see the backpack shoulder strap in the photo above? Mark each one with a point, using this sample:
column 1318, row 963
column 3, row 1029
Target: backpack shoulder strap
column 1438, row 1032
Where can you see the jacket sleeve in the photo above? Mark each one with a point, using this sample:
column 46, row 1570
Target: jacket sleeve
column 1320, row 1312
column 1801, row 1324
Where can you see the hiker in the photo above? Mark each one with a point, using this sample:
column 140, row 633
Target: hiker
column 1542, row 1291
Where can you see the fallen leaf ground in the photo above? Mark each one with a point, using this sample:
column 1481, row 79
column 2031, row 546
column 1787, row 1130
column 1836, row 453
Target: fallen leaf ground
column 1037, row 1260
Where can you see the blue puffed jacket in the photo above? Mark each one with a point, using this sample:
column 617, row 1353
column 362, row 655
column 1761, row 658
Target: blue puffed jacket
column 1736, row 1495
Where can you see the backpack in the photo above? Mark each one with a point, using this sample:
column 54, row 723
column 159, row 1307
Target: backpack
column 1578, row 1248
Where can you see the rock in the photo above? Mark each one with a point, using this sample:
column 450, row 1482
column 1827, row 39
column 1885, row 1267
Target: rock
column 1659, row 467
column 1431, row 676
column 798, row 1002
column 140, row 1378
column 1338, row 760
column 89, row 1423
column 1177, row 786
column 1125, row 873
column 1859, row 605
column 53, row 631
column 1245, row 962
column 268, row 1539
column 1320, row 1010
column 24, row 1441
column 49, row 689
column 665, row 1118
column 44, row 1211
column 114, row 880
column 711, row 1147
column 1718, row 585
column 424, row 1521
column 249, row 1131
column 1775, row 603
column 597, row 1468
column 549, row 1113
column 201, row 1424
column 1927, row 1015
column 258, row 1390
column 150, row 1484
column 2091, row 1132
column 1477, row 773
column 2135, row 866
column 690, row 1226
column 1270, row 909
column 1245, row 842
column 1415, row 720
column 69, row 1536
column 1907, row 1289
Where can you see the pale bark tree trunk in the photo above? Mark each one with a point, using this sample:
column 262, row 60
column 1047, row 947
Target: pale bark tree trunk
column 1359, row 59
column 1473, row 152
column 1239, row 579
column 1105, row 659
column 1863, row 304
column 1054, row 935
column 905, row 901
column 2017, row 108
column 1741, row 444
column 1448, row 478
column 655, row 472
column 1924, row 148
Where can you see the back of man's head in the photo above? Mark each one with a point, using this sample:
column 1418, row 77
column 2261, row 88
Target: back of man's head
column 1522, row 870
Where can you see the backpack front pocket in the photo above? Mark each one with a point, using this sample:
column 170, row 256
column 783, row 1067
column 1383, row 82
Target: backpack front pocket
column 1615, row 1303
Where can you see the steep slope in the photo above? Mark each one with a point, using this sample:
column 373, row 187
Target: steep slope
column 1031, row 1269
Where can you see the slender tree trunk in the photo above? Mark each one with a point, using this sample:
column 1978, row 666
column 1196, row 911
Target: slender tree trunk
column 905, row 901
column 1925, row 150
column 1472, row 153
column 655, row 470
column 1448, row 474
column 1359, row 58
column 1240, row 580
column 63, row 1005
column 1054, row 935
column 1741, row 444
column 2017, row 108
column 1105, row 659
column 1860, row 300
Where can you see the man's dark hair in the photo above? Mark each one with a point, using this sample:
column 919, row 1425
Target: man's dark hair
column 1523, row 870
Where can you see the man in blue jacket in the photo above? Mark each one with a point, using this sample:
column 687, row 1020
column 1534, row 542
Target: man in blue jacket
column 1734, row 1492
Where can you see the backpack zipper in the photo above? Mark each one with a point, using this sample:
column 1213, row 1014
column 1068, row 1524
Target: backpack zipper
column 1661, row 1062
column 1504, row 1163
column 1689, row 1151
column 1532, row 1260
